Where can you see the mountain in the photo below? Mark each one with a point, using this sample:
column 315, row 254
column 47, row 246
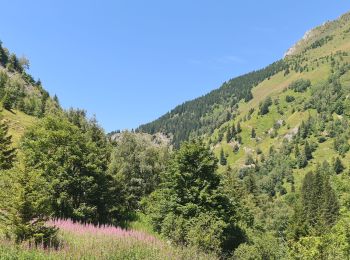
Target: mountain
column 281, row 137
column 23, row 99
column 268, row 177
column 203, row 115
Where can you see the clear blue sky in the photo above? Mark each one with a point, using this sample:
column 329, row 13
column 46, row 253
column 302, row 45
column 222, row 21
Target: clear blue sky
column 128, row 62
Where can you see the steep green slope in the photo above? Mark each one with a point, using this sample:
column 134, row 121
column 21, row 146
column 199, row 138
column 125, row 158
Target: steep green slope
column 206, row 113
column 22, row 99
column 317, row 64
column 203, row 115
column 290, row 157
column 284, row 152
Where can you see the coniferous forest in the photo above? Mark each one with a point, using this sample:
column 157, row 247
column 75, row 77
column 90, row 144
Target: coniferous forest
column 256, row 169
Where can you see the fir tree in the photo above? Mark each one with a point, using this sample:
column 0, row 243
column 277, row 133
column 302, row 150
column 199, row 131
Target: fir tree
column 7, row 101
column 228, row 135
column 307, row 151
column 7, row 153
column 319, row 205
column 253, row 134
column 233, row 130
column 238, row 129
column 223, row 160
column 338, row 166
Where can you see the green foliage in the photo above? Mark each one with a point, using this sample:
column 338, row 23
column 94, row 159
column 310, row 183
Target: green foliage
column 326, row 97
column 338, row 166
column 300, row 85
column 21, row 91
column 261, row 247
column 264, row 106
column 198, row 116
column 192, row 192
column 23, row 206
column 73, row 162
column 253, row 133
column 7, row 153
column 229, row 135
column 319, row 207
column 223, row 160
column 136, row 165
column 321, row 42
column 30, row 209
column 289, row 99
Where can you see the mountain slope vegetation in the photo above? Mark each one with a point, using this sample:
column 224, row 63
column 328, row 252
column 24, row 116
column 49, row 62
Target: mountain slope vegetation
column 206, row 113
column 289, row 138
column 257, row 169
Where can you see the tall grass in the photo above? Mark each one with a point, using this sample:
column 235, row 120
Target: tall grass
column 85, row 241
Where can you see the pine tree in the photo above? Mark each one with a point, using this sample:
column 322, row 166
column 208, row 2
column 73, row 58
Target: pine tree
column 296, row 151
column 31, row 210
column 228, row 135
column 235, row 148
column 223, row 160
column 307, row 151
column 7, row 153
column 220, row 136
column 239, row 139
column 193, row 203
column 238, row 129
column 338, row 166
column 7, row 101
column 233, row 130
column 253, row 134
column 319, row 204
column 302, row 161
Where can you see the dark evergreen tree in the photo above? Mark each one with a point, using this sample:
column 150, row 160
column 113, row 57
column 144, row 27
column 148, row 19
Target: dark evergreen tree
column 223, row 160
column 264, row 106
column 238, row 128
column 7, row 152
column 191, row 206
column 319, row 208
column 220, row 136
column 228, row 135
column 233, row 130
column 8, row 101
column 307, row 151
column 253, row 134
column 338, row 166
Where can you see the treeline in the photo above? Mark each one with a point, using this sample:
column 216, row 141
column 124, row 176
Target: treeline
column 197, row 117
column 18, row 89
column 310, row 221
column 67, row 168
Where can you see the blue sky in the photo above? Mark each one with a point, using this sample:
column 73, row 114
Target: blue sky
column 128, row 62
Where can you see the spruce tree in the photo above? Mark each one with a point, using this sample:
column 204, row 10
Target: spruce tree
column 319, row 204
column 223, row 160
column 338, row 166
column 31, row 210
column 192, row 203
column 307, row 151
column 228, row 135
column 238, row 129
column 7, row 101
column 233, row 130
column 253, row 134
column 7, row 153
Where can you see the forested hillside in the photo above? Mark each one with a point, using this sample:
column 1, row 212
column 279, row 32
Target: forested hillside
column 204, row 114
column 258, row 169
column 22, row 97
column 285, row 148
